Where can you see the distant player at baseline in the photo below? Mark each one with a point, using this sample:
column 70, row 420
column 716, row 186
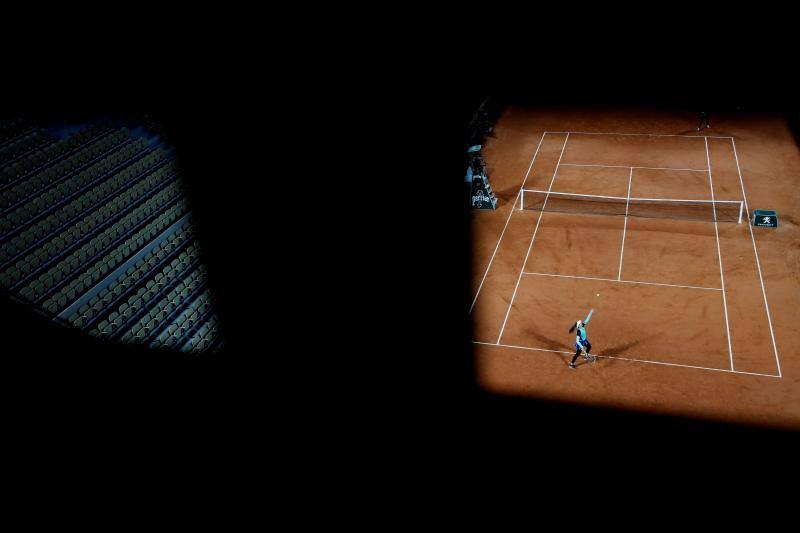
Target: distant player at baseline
column 582, row 344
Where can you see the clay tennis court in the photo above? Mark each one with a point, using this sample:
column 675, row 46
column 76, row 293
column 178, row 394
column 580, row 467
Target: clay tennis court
column 693, row 314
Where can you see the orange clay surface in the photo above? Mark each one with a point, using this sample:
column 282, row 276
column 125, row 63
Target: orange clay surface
column 659, row 325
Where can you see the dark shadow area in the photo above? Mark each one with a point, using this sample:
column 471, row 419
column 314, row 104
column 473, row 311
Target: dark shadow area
column 339, row 250
column 61, row 368
column 793, row 118
column 160, row 128
column 605, row 422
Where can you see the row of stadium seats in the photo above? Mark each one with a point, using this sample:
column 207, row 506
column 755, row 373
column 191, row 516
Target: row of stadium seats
column 192, row 304
column 204, row 333
column 59, row 171
column 77, row 211
column 76, row 218
column 151, row 312
column 62, row 294
column 85, row 153
column 24, row 144
column 11, row 128
column 77, row 165
column 126, row 230
column 50, row 154
column 151, row 268
column 69, row 187
column 150, row 295
column 187, row 323
column 65, row 295
column 205, row 337
column 58, row 296
column 125, row 203
column 75, row 147
column 13, row 134
column 170, row 275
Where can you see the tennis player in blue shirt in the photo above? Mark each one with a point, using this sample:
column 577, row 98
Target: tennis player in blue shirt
column 582, row 344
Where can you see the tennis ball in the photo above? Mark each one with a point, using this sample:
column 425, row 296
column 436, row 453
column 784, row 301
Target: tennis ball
column 598, row 294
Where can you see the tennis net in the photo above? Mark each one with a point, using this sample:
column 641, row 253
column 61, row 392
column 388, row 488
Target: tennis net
column 588, row 204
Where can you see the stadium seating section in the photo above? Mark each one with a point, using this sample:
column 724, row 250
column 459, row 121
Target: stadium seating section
column 95, row 231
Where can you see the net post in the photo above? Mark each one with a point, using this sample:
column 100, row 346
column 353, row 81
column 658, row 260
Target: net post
column 741, row 206
column 521, row 198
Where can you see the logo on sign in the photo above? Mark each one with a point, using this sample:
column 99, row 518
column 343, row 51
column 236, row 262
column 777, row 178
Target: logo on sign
column 766, row 220
column 478, row 198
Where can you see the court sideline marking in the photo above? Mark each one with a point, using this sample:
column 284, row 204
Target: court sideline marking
column 625, row 227
column 511, row 212
column 630, row 359
column 525, row 179
column 758, row 263
column 538, row 221
column 719, row 254
column 752, row 237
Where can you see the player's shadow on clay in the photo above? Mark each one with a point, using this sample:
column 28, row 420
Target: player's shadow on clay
column 613, row 351
column 604, row 354
column 552, row 344
column 547, row 342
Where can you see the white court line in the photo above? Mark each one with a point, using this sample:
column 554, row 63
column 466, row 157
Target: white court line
column 624, row 281
column 513, row 207
column 521, row 347
column 538, row 221
column 719, row 255
column 637, row 134
column 632, row 360
column 755, row 251
column 758, row 263
column 507, row 220
column 625, row 227
column 626, row 166
column 532, row 160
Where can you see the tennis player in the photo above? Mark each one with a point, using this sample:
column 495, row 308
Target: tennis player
column 582, row 344
column 705, row 120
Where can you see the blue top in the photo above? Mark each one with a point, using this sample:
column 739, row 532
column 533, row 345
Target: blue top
column 580, row 336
